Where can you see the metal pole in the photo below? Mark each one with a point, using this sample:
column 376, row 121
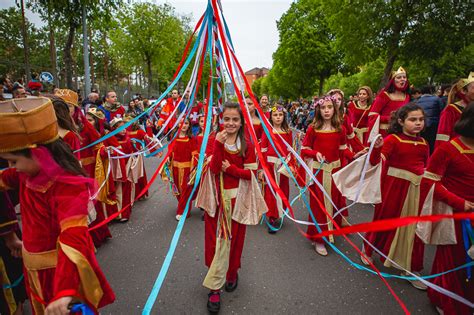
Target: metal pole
column 25, row 42
column 87, row 71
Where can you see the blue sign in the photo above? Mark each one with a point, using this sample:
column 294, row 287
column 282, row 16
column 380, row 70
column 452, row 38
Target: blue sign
column 46, row 77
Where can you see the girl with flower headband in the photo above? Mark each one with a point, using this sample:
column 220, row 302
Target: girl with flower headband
column 182, row 160
column 358, row 112
column 125, row 189
column 282, row 131
column 324, row 148
column 393, row 96
column 54, row 195
column 403, row 154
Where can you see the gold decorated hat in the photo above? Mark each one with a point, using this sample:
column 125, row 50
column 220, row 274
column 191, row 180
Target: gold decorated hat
column 465, row 81
column 128, row 117
column 68, row 96
column 115, row 121
column 399, row 71
column 27, row 122
column 96, row 113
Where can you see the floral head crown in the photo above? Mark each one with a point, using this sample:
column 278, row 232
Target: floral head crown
column 278, row 108
column 326, row 98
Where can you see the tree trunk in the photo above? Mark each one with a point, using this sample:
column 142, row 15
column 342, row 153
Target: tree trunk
column 68, row 60
column 91, row 58
column 52, row 49
column 392, row 53
column 26, row 50
column 106, row 64
column 150, row 75
column 321, row 84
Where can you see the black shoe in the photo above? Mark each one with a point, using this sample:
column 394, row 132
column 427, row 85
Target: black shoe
column 271, row 230
column 231, row 286
column 213, row 307
column 272, row 226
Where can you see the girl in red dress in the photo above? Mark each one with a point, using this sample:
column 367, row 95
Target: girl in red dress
column 66, row 127
column 136, row 132
column 257, row 124
column 54, row 196
column 182, row 160
column 324, row 147
column 449, row 178
column 459, row 96
column 390, row 98
column 358, row 112
column 124, row 188
column 233, row 160
column 280, row 127
column 404, row 155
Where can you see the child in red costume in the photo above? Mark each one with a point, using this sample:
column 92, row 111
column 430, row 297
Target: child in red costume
column 358, row 112
column 324, row 147
column 449, row 179
column 58, row 253
column 404, row 155
column 280, row 128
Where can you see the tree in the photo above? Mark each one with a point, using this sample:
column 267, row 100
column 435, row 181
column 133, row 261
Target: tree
column 402, row 29
column 305, row 56
column 151, row 34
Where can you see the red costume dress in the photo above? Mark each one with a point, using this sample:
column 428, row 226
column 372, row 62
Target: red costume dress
column 73, row 142
column 275, row 206
column 258, row 131
column 449, row 116
column 383, row 107
column 88, row 156
column 359, row 118
column 124, row 189
column 58, row 253
column 142, row 181
column 240, row 167
column 451, row 171
column 353, row 143
column 404, row 161
column 332, row 145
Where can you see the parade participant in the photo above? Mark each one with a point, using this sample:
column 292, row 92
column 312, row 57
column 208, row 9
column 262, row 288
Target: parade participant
column 182, row 159
column 12, row 290
column 232, row 165
column 353, row 142
column 66, row 127
column 264, row 103
column 448, row 186
column 324, row 146
column 389, row 99
column 135, row 132
column 106, row 201
column 111, row 107
column 404, row 155
column 194, row 115
column 459, row 96
column 87, row 132
column 124, row 189
column 58, row 254
column 168, row 109
column 257, row 125
column 358, row 111
column 280, row 127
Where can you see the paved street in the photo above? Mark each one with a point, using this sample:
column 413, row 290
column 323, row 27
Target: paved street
column 281, row 274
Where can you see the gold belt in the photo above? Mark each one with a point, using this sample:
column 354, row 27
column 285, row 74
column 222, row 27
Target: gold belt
column 88, row 160
column 41, row 260
column 326, row 167
column 404, row 174
column 181, row 164
column 230, row 193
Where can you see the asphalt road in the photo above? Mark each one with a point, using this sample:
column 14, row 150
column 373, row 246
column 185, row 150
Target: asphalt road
column 281, row 273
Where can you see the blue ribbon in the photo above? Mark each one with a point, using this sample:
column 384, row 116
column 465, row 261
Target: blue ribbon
column 81, row 308
column 468, row 236
column 14, row 284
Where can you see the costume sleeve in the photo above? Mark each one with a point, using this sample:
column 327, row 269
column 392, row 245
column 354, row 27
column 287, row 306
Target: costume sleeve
column 264, row 146
column 307, row 145
column 383, row 152
column 217, row 157
column 250, row 164
column 77, row 271
column 376, row 108
column 446, row 125
column 352, row 140
column 9, row 179
column 436, row 170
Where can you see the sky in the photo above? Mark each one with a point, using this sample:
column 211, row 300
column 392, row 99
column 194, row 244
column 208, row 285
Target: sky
column 252, row 25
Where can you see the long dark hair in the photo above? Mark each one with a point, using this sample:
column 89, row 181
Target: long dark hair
column 335, row 119
column 189, row 132
column 284, row 124
column 241, row 132
column 402, row 114
column 62, row 154
column 465, row 125
column 62, row 114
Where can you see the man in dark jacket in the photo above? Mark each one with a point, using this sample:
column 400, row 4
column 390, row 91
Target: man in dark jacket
column 432, row 105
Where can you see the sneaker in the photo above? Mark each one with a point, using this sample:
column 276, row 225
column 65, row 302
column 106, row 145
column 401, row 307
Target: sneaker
column 231, row 286
column 320, row 249
column 418, row 284
column 178, row 217
column 214, row 302
column 366, row 260
column 123, row 220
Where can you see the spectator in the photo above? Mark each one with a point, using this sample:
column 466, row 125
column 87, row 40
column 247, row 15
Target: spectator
column 19, row 91
column 111, row 107
column 7, row 84
column 432, row 105
column 443, row 94
column 92, row 99
column 415, row 94
column 35, row 85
